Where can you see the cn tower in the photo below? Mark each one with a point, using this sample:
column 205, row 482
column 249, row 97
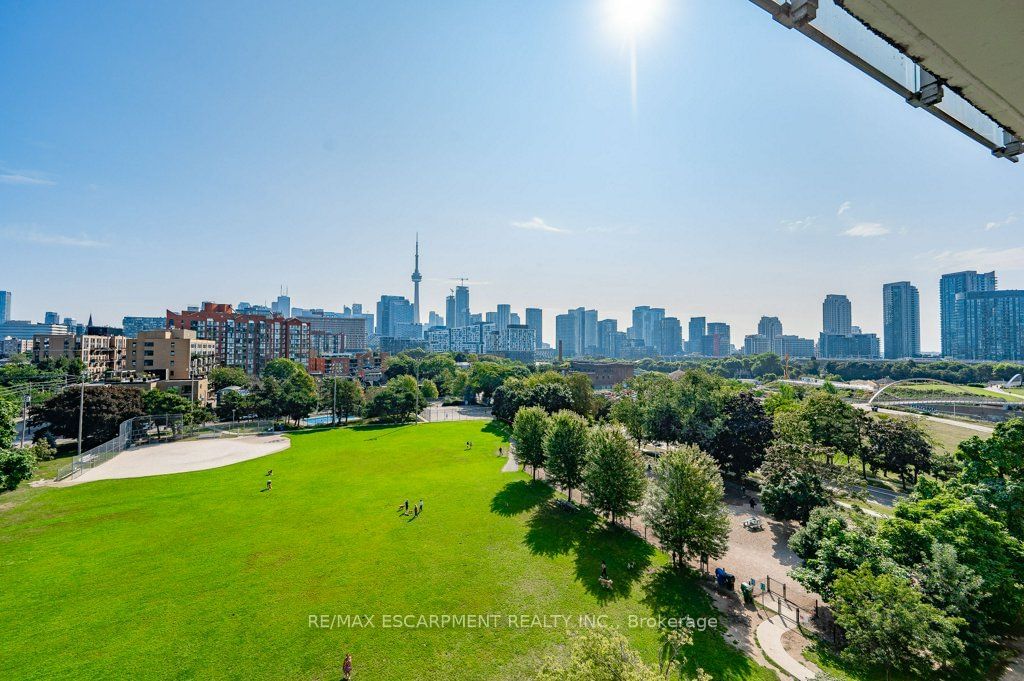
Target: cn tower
column 416, row 279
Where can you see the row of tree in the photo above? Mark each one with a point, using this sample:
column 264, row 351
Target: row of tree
column 681, row 503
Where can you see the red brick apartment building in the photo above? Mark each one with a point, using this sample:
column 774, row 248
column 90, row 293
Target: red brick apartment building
column 368, row 366
column 248, row 341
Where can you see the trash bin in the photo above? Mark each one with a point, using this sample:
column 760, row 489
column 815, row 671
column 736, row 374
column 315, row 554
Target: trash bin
column 748, row 593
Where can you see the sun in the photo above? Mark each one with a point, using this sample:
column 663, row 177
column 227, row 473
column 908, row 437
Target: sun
column 631, row 17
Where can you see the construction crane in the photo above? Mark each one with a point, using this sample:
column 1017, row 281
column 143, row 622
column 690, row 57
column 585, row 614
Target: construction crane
column 462, row 280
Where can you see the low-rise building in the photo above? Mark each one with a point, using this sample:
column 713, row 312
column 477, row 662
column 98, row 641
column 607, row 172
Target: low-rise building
column 176, row 358
column 14, row 346
column 604, row 375
column 367, row 367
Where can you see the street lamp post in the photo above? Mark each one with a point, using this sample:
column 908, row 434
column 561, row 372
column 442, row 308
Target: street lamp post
column 81, row 412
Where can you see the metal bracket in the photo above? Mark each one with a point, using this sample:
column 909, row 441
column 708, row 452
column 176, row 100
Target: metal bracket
column 1011, row 149
column 929, row 92
column 797, row 13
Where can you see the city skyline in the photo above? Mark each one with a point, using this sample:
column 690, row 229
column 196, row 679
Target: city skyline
column 546, row 184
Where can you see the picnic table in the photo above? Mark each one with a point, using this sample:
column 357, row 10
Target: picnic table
column 753, row 523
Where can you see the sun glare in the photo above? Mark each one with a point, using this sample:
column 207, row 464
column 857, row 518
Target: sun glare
column 630, row 17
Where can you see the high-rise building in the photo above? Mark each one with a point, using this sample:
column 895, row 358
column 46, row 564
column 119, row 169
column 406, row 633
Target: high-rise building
column 949, row 286
column 607, row 332
column 282, row 306
column 848, row 346
column 392, row 311
column 462, row 313
column 590, row 332
column 535, row 320
column 990, row 325
column 248, row 341
column 756, row 344
column 670, row 337
column 716, row 340
column 566, row 334
column 434, row 319
column 647, row 324
column 449, row 311
column 770, row 328
column 416, row 279
column 133, row 326
column 793, row 346
column 901, row 319
column 503, row 317
column 837, row 314
column 5, row 306
column 696, row 330
column 516, row 319
column 51, row 318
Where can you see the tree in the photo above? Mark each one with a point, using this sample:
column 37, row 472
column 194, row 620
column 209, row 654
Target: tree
column 566, row 447
column 744, row 435
column 429, row 391
column 399, row 400
column 797, row 478
column 887, row 623
column 626, row 411
column 15, row 466
column 683, row 505
column 993, row 471
column 898, row 445
column 298, row 395
column 399, row 365
column 8, row 415
column 105, row 408
column 597, row 654
column 582, row 392
column 224, row 377
column 345, row 395
column 613, row 477
column 832, row 423
column 167, row 402
column 282, row 369
column 528, row 430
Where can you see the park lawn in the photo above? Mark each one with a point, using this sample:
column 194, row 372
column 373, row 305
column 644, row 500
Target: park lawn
column 945, row 437
column 203, row 575
column 940, row 389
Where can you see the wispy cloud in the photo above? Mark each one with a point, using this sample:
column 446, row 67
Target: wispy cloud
column 32, row 235
column 1010, row 219
column 844, row 207
column 538, row 225
column 867, row 229
column 798, row 225
column 982, row 258
column 25, row 178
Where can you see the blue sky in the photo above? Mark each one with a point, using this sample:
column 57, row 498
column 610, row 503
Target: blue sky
column 153, row 155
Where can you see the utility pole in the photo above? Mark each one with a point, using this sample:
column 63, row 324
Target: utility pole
column 24, row 417
column 334, row 407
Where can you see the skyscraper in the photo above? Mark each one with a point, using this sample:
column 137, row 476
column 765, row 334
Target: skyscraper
column 717, row 342
column 837, row 315
column 901, row 320
column 462, row 306
column 670, row 340
column 535, row 320
column 449, row 311
column 990, row 325
column 949, row 286
column 647, row 324
column 416, row 279
column 503, row 317
column 5, row 306
column 770, row 328
column 695, row 335
column 393, row 311
column 282, row 306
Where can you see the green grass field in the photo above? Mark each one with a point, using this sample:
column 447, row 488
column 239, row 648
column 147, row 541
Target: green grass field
column 202, row 575
column 913, row 390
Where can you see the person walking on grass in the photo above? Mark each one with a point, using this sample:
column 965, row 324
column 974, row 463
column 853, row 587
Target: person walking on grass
column 604, row 570
column 269, row 485
column 421, row 506
column 346, row 667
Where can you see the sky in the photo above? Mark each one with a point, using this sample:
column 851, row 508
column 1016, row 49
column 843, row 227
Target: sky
column 155, row 155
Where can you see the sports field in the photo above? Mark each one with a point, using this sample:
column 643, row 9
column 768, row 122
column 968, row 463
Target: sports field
column 203, row 575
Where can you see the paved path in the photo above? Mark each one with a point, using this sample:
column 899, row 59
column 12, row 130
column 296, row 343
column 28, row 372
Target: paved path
column 769, row 637
column 181, row 457
column 511, row 466
column 938, row 419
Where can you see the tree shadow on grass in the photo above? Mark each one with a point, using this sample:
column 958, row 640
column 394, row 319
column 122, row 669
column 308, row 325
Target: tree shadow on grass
column 626, row 555
column 554, row 531
column 676, row 593
column 520, row 496
column 498, row 428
